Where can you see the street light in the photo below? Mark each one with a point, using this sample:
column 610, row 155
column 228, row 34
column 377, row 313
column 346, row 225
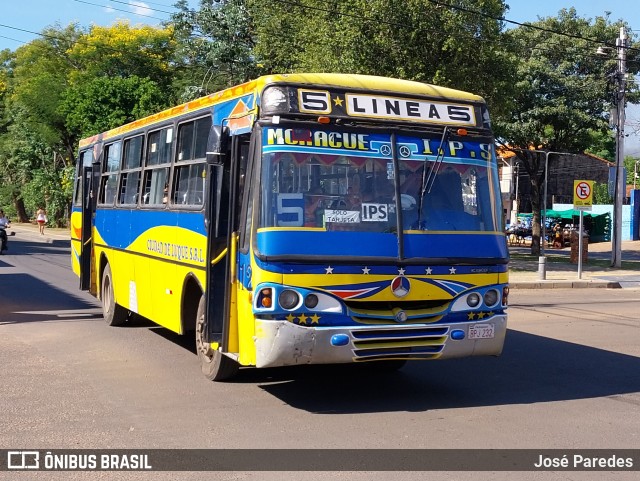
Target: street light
column 542, row 261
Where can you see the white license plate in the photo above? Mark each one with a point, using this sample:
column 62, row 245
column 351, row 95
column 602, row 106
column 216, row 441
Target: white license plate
column 481, row 331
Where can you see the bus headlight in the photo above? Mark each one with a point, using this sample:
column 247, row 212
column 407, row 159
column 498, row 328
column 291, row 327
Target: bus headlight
column 473, row 299
column 491, row 297
column 274, row 100
column 288, row 299
column 311, row 301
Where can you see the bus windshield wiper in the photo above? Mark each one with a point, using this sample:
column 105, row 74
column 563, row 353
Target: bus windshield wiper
column 429, row 179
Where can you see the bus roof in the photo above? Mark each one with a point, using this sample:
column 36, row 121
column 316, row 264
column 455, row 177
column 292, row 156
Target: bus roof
column 355, row 81
column 371, row 82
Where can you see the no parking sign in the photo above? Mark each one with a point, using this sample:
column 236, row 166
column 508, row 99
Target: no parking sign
column 582, row 194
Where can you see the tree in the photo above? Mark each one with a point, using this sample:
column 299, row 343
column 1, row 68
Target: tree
column 215, row 46
column 70, row 84
column 562, row 97
column 103, row 103
column 122, row 73
column 410, row 39
column 601, row 194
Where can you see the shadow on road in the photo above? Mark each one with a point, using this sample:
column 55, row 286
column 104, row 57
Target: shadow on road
column 532, row 369
column 24, row 298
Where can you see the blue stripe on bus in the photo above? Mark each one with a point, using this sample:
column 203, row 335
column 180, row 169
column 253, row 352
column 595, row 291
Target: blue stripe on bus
column 120, row 227
column 374, row 244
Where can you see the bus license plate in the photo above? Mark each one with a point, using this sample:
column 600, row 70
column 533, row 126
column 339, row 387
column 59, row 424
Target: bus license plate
column 481, row 331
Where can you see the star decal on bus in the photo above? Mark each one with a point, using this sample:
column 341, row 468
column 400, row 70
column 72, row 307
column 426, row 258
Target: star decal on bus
column 401, row 271
column 338, row 101
column 429, row 271
column 315, row 319
column 329, row 270
column 452, row 270
column 365, row 270
column 303, row 319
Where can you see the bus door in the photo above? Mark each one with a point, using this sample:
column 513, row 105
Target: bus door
column 86, row 246
column 223, row 213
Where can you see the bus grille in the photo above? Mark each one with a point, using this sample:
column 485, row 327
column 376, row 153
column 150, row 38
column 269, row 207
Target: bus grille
column 417, row 312
column 399, row 343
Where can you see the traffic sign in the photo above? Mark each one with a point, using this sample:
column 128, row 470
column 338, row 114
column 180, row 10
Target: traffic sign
column 582, row 194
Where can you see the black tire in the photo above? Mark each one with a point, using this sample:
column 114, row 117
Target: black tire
column 114, row 314
column 215, row 365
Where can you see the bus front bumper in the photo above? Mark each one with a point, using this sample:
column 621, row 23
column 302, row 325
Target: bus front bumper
column 282, row 343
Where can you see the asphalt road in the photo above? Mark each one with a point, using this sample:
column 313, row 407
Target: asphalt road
column 569, row 378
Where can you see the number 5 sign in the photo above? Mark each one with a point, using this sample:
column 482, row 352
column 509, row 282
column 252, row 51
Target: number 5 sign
column 582, row 194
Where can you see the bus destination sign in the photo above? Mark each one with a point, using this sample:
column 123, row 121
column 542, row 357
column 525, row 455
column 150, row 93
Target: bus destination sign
column 384, row 107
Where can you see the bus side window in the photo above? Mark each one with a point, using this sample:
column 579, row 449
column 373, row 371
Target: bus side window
column 110, row 168
column 155, row 182
column 130, row 176
column 156, row 172
column 188, row 186
column 189, row 173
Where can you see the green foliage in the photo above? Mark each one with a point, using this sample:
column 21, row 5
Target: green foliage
column 409, row 39
column 67, row 85
column 52, row 188
column 601, row 194
column 103, row 103
column 562, row 95
column 215, row 47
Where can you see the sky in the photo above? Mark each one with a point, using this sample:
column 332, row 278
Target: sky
column 21, row 20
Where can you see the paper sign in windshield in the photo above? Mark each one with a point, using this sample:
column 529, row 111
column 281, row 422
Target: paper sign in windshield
column 342, row 216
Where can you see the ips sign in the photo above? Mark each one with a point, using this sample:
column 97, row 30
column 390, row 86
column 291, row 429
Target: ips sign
column 375, row 212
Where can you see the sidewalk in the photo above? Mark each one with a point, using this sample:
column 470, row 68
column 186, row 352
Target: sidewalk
column 524, row 270
column 30, row 231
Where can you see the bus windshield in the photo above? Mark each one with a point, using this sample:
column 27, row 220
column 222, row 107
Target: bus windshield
column 340, row 180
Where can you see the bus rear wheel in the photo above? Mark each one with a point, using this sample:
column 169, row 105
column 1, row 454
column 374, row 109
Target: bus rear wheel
column 215, row 365
column 114, row 314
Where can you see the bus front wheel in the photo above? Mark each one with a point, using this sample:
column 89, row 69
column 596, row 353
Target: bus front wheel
column 114, row 314
column 215, row 365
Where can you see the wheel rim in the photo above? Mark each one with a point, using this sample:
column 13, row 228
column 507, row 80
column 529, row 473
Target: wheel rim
column 106, row 295
column 204, row 348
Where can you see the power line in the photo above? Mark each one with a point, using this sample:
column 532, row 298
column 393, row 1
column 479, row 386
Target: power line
column 121, row 10
column 146, row 1
column 140, row 6
column 528, row 25
column 14, row 39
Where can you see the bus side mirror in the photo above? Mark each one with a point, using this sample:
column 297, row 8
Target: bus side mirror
column 217, row 144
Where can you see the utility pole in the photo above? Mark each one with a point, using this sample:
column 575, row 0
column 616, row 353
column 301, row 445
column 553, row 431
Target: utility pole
column 621, row 182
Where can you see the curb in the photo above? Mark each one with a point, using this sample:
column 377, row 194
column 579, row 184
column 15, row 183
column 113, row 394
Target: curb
column 551, row 284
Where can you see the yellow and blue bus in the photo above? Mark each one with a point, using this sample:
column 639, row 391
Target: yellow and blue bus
column 301, row 219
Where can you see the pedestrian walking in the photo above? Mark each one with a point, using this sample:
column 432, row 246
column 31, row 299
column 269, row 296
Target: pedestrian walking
column 41, row 219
